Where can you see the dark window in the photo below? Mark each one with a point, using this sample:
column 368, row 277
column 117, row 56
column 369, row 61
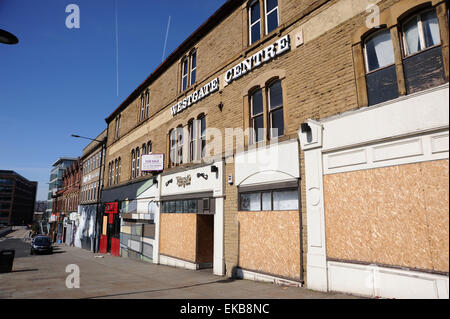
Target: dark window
column 257, row 116
column 276, row 109
column 381, row 77
column 184, row 74
column 271, row 15
column 202, row 123
column 423, row 62
column 275, row 200
column 193, row 67
column 255, row 22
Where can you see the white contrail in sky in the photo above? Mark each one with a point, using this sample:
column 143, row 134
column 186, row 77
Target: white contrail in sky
column 117, row 52
column 165, row 42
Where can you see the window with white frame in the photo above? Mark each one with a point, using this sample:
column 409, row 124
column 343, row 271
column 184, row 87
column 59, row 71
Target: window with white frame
column 147, row 103
column 254, row 14
column 276, row 116
column 142, row 113
column 117, row 133
column 269, row 200
column 192, row 140
column 257, row 116
column 379, row 51
column 202, row 133
column 189, row 70
column 271, row 9
column 184, row 74
column 172, row 147
column 180, row 140
column 381, row 76
column 420, row 32
column 193, row 67
column 138, row 161
column 133, row 163
column 119, row 169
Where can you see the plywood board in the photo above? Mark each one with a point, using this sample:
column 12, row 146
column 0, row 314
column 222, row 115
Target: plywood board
column 178, row 236
column 269, row 242
column 396, row 215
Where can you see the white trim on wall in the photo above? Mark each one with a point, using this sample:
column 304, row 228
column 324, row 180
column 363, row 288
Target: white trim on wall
column 427, row 147
column 376, row 281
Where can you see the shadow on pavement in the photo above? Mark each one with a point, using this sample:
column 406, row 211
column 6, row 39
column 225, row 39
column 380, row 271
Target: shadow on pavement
column 159, row 290
column 25, row 270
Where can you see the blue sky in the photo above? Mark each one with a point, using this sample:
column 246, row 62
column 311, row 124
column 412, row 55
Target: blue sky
column 59, row 81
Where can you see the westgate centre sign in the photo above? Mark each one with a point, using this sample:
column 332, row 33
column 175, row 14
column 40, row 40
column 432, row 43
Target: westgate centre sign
column 263, row 56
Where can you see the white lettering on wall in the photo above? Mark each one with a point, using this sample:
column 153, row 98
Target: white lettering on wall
column 195, row 97
column 262, row 56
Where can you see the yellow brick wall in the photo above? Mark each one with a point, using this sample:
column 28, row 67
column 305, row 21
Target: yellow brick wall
column 319, row 82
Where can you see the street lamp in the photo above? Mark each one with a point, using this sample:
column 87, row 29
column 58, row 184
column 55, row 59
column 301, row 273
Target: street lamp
column 87, row 138
column 8, row 38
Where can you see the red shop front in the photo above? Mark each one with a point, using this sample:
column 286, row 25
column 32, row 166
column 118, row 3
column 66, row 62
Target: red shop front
column 110, row 238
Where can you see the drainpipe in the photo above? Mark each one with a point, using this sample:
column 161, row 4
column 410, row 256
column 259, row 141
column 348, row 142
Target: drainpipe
column 302, row 279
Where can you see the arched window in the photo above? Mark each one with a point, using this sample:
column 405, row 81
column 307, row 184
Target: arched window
column 147, row 103
column 116, row 171
column 142, row 113
column 133, row 164
column 149, row 147
column 138, row 161
column 192, row 140
column 423, row 64
column 257, row 116
column 144, row 152
column 379, row 51
column 276, row 116
column 109, row 174
column 180, row 140
column 202, row 135
column 381, row 77
column 119, row 169
column 184, row 74
column 420, row 32
column 172, row 147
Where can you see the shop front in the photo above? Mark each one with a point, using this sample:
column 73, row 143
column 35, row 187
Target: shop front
column 269, row 214
column 87, row 227
column 125, row 218
column 137, row 234
column 190, row 223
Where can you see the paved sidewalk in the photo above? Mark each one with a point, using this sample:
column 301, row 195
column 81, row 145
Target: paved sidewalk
column 44, row 276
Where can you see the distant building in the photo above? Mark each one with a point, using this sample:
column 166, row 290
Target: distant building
column 65, row 200
column 17, row 199
column 55, row 183
column 89, row 221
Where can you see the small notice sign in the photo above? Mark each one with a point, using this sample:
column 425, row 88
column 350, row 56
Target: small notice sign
column 152, row 163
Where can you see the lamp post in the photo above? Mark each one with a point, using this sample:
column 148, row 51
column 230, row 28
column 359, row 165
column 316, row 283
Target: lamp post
column 100, row 176
column 8, row 38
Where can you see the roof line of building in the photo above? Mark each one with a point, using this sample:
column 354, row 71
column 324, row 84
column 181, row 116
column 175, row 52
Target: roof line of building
column 201, row 31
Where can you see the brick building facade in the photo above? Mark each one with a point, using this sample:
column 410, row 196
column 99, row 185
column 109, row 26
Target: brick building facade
column 265, row 204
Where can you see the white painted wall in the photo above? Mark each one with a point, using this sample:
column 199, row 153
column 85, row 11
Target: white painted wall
column 268, row 164
column 410, row 129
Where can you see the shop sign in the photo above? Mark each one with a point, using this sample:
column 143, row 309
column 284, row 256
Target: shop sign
column 265, row 55
column 152, row 163
column 183, row 181
column 198, row 95
column 111, row 208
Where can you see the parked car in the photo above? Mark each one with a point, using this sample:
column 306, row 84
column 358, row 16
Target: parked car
column 41, row 244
